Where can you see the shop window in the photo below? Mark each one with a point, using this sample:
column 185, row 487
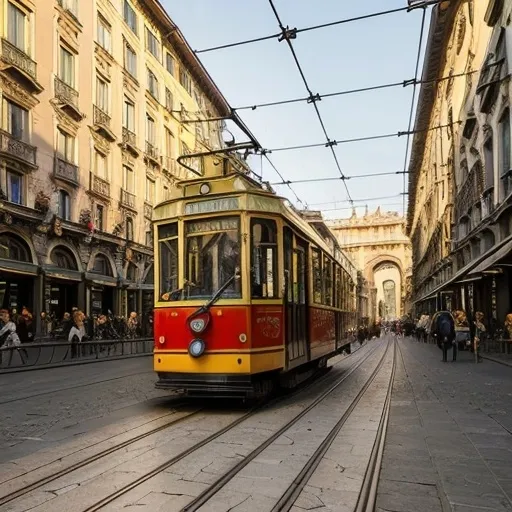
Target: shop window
column 317, row 276
column 13, row 247
column 63, row 258
column 64, row 205
column 102, row 266
column 264, row 258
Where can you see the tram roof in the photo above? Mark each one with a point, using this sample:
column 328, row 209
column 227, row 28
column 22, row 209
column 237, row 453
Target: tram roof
column 256, row 198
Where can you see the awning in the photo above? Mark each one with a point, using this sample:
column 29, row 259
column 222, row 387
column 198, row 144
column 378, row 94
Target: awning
column 500, row 251
column 18, row 267
column 494, row 259
column 63, row 273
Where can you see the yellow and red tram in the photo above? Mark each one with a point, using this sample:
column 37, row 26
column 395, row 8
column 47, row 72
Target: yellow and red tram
column 247, row 292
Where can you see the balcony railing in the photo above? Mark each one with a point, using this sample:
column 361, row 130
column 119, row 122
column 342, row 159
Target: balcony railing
column 100, row 186
column 129, row 138
column 148, row 210
column 127, row 198
column 151, row 151
column 506, row 180
column 18, row 149
column 65, row 93
column 19, row 59
column 100, row 117
column 66, row 170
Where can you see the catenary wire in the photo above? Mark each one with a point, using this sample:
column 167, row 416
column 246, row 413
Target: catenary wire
column 413, row 100
column 427, row 3
column 336, row 178
column 286, row 37
column 404, row 83
column 358, row 139
column 298, row 199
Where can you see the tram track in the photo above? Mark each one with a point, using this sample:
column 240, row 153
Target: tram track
column 287, row 500
column 88, row 460
column 211, row 491
column 54, row 476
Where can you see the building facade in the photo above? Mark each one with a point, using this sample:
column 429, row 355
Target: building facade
column 99, row 98
column 460, row 214
column 379, row 247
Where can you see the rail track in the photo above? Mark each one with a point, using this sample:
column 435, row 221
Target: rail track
column 211, row 491
column 40, row 482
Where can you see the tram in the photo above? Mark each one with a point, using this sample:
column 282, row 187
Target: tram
column 248, row 293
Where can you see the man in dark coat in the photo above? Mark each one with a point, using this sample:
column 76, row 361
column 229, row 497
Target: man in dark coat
column 443, row 330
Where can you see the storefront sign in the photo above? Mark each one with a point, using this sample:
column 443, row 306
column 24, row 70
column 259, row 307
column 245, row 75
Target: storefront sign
column 212, row 206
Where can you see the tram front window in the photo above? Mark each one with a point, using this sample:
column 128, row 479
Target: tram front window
column 212, row 257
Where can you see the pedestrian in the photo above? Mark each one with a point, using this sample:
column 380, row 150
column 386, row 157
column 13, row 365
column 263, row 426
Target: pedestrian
column 443, row 331
column 480, row 333
column 8, row 335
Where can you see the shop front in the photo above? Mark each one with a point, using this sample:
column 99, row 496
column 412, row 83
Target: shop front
column 19, row 275
column 101, row 288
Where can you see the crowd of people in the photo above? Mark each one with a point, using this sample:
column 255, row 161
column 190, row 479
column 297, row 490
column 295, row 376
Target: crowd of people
column 75, row 327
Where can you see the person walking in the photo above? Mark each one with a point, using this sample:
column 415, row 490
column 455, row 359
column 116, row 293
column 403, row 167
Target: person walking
column 443, row 331
column 480, row 333
column 9, row 336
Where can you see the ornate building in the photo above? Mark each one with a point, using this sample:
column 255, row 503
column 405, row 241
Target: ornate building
column 99, row 98
column 380, row 249
column 460, row 215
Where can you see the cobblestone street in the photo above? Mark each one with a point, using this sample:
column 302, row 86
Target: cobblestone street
column 448, row 445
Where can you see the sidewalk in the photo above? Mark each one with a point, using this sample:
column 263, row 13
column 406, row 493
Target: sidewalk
column 449, row 442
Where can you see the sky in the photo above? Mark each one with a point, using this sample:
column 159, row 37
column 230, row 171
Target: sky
column 359, row 54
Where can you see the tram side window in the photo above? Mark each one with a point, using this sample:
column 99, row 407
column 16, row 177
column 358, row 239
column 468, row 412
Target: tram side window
column 317, row 276
column 264, row 259
column 328, row 284
column 339, row 288
column 168, row 252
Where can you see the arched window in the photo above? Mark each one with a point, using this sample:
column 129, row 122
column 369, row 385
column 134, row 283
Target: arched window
column 102, row 266
column 488, row 239
column 63, row 258
column 13, row 247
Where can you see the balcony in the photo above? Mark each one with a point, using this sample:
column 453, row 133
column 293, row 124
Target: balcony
column 23, row 68
column 130, row 141
column 17, row 150
column 127, row 199
column 152, row 153
column 68, row 98
column 66, row 171
column 101, row 122
column 99, row 186
column 148, row 210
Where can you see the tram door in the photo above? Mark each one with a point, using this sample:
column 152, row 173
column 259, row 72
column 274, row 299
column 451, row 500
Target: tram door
column 295, row 266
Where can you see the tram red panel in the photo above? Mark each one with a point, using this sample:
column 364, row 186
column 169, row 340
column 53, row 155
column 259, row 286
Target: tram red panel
column 267, row 326
column 226, row 325
column 322, row 331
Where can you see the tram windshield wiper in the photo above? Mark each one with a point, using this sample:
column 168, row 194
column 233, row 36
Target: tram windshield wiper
column 218, row 293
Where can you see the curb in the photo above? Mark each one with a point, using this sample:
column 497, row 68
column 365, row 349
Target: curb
column 65, row 364
column 496, row 360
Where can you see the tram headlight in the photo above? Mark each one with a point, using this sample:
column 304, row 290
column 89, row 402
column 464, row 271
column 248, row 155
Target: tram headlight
column 199, row 323
column 196, row 347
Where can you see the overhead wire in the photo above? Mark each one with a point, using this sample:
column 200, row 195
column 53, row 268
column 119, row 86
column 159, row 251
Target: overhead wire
column 426, row 3
column 336, row 178
column 403, row 83
column 286, row 36
column 358, row 139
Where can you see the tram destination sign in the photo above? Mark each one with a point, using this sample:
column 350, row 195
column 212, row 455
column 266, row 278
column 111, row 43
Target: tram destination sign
column 212, row 206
